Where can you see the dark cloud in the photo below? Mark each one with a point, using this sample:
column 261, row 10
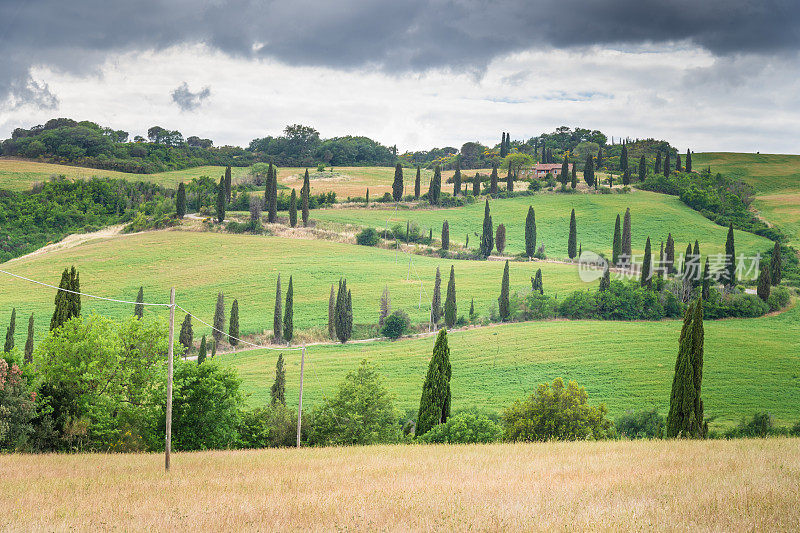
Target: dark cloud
column 411, row 35
column 186, row 99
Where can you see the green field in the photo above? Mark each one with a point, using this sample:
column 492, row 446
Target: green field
column 245, row 267
column 750, row 365
column 776, row 178
column 652, row 215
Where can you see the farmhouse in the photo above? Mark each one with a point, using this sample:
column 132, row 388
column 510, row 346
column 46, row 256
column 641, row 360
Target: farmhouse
column 540, row 170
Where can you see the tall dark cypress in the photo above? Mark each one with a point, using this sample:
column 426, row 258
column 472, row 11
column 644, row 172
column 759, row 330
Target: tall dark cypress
column 530, row 232
column 660, row 270
column 504, row 306
column 29, row 342
column 623, row 158
column 445, row 235
column 219, row 318
column 457, row 178
column 487, row 237
column 228, row 184
column 706, row 290
column 436, row 301
column 202, row 351
column 536, row 284
column 625, row 249
column 730, row 258
column 332, row 314
column 450, row 309
column 500, row 238
column 12, row 326
column 288, row 313
column 564, row 176
column 647, row 266
column 476, row 184
column 678, row 162
column 697, row 280
column 186, row 336
column 588, row 170
column 277, row 316
column 776, row 263
column 344, row 313
column 67, row 304
column 233, row 325
column 574, row 182
column 626, row 177
column 436, row 186
column 642, row 168
column 305, row 192
column 397, row 184
column 657, row 167
column 417, row 185
column 180, row 201
column 572, row 242
column 278, row 390
column 293, row 209
column 685, row 418
column 138, row 307
column 493, row 180
column 616, row 246
column 272, row 199
column 688, row 160
column 764, row 283
column 221, row 201
column 503, row 151
column 666, row 164
column 434, row 405
column 669, row 254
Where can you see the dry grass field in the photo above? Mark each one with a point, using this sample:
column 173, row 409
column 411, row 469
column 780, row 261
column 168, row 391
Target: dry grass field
column 742, row 485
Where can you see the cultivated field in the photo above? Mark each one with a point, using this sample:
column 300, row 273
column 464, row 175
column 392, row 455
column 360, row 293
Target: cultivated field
column 652, row 215
column 742, row 485
column 750, row 365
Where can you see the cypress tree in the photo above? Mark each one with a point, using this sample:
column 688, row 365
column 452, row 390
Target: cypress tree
column 186, row 337
column 572, row 242
column 305, row 192
column 344, row 313
column 661, row 258
column 233, row 326
column 332, row 314
column 221, row 201
column 669, row 252
column 706, row 291
column 219, row 318
column 642, row 169
column 730, row 253
column 616, row 246
column 764, row 281
column 625, row 247
column 666, row 164
column 687, row 257
column 657, row 167
column 510, row 180
column 445, row 235
column 288, row 316
column 776, row 264
column 503, row 150
column 685, row 418
column 138, row 308
column 677, row 162
column 436, row 301
column 623, row 158
column 417, row 184
column 12, row 326
column 476, row 184
column 293, row 209
column 277, row 316
column 493, row 180
column 397, row 184
column 605, row 281
column 696, row 260
column 588, row 170
column 450, row 309
column 574, row 182
column 487, row 238
column 213, row 349
column 688, row 160
column 564, row 176
column 74, row 297
column 626, row 177
column 180, row 201
column 504, row 306
column 67, row 304
column 201, row 353
column 29, row 341
column 500, row 238
column 472, row 307
column 457, row 178
column 436, row 186
column 434, row 405
column 647, row 266
column 278, row 390
column 530, row 232
column 272, row 198
column 536, row 283
column 367, row 200
column 385, row 306
column 228, row 184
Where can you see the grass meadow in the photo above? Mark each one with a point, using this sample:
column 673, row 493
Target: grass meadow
column 741, row 485
column 654, row 215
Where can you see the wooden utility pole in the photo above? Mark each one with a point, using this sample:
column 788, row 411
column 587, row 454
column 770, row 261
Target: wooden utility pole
column 300, row 405
column 168, row 441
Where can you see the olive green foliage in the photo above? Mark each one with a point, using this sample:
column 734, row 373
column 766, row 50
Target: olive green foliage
column 274, row 426
column 647, row 266
column 445, row 236
column 764, row 282
column 417, row 184
column 435, row 189
column 729, row 275
column 616, row 246
column 493, row 180
column 29, row 341
column 396, row 325
column 436, row 300
column 434, row 405
column 625, row 243
column 17, row 408
column 557, row 412
column 361, row 412
column 464, row 428
column 305, row 192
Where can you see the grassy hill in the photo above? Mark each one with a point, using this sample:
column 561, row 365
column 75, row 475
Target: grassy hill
column 750, row 365
column 651, row 214
column 246, row 267
column 776, row 178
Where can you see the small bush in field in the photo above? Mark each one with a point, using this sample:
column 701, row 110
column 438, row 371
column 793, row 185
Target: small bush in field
column 368, row 237
column 464, row 428
column 646, row 424
column 396, row 325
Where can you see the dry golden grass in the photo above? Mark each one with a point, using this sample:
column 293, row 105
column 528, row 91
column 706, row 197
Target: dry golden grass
column 715, row 485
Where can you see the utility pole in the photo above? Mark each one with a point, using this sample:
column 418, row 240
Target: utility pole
column 300, row 405
column 168, row 441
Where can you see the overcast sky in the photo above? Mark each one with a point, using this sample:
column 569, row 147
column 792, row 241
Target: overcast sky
column 711, row 75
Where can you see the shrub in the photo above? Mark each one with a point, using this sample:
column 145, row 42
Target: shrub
column 464, row 428
column 396, row 325
column 368, row 237
column 534, row 306
column 761, row 425
column 557, row 413
column 268, row 427
column 778, row 298
column 320, row 167
column 646, row 424
column 17, row 407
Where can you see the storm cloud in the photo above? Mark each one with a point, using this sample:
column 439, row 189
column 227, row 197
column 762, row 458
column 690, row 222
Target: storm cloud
column 188, row 100
column 389, row 36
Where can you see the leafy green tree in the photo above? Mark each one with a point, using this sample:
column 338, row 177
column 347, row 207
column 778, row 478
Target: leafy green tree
column 12, row 326
column 288, row 316
column 764, row 281
column 366, row 201
column 588, row 170
column 277, row 316
column 487, row 238
column 493, row 180
column 530, row 232
column 776, row 264
column 457, row 178
column 29, row 342
column 450, row 301
column 445, row 235
column 500, row 238
column 360, row 413
column 293, row 209
column 647, row 266
column 305, row 192
column 730, row 256
column 186, row 337
column 464, row 428
column 233, row 326
column 180, row 201
column 397, row 184
column 572, row 242
column 625, row 247
column 138, row 308
column 219, row 318
column 201, row 353
column 417, row 185
column 557, row 412
column 278, row 390
column 616, row 246
column 436, row 300
column 434, row 405
column 221, row 201
column 503, row 301
column 685, row 417
column 435, row 189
